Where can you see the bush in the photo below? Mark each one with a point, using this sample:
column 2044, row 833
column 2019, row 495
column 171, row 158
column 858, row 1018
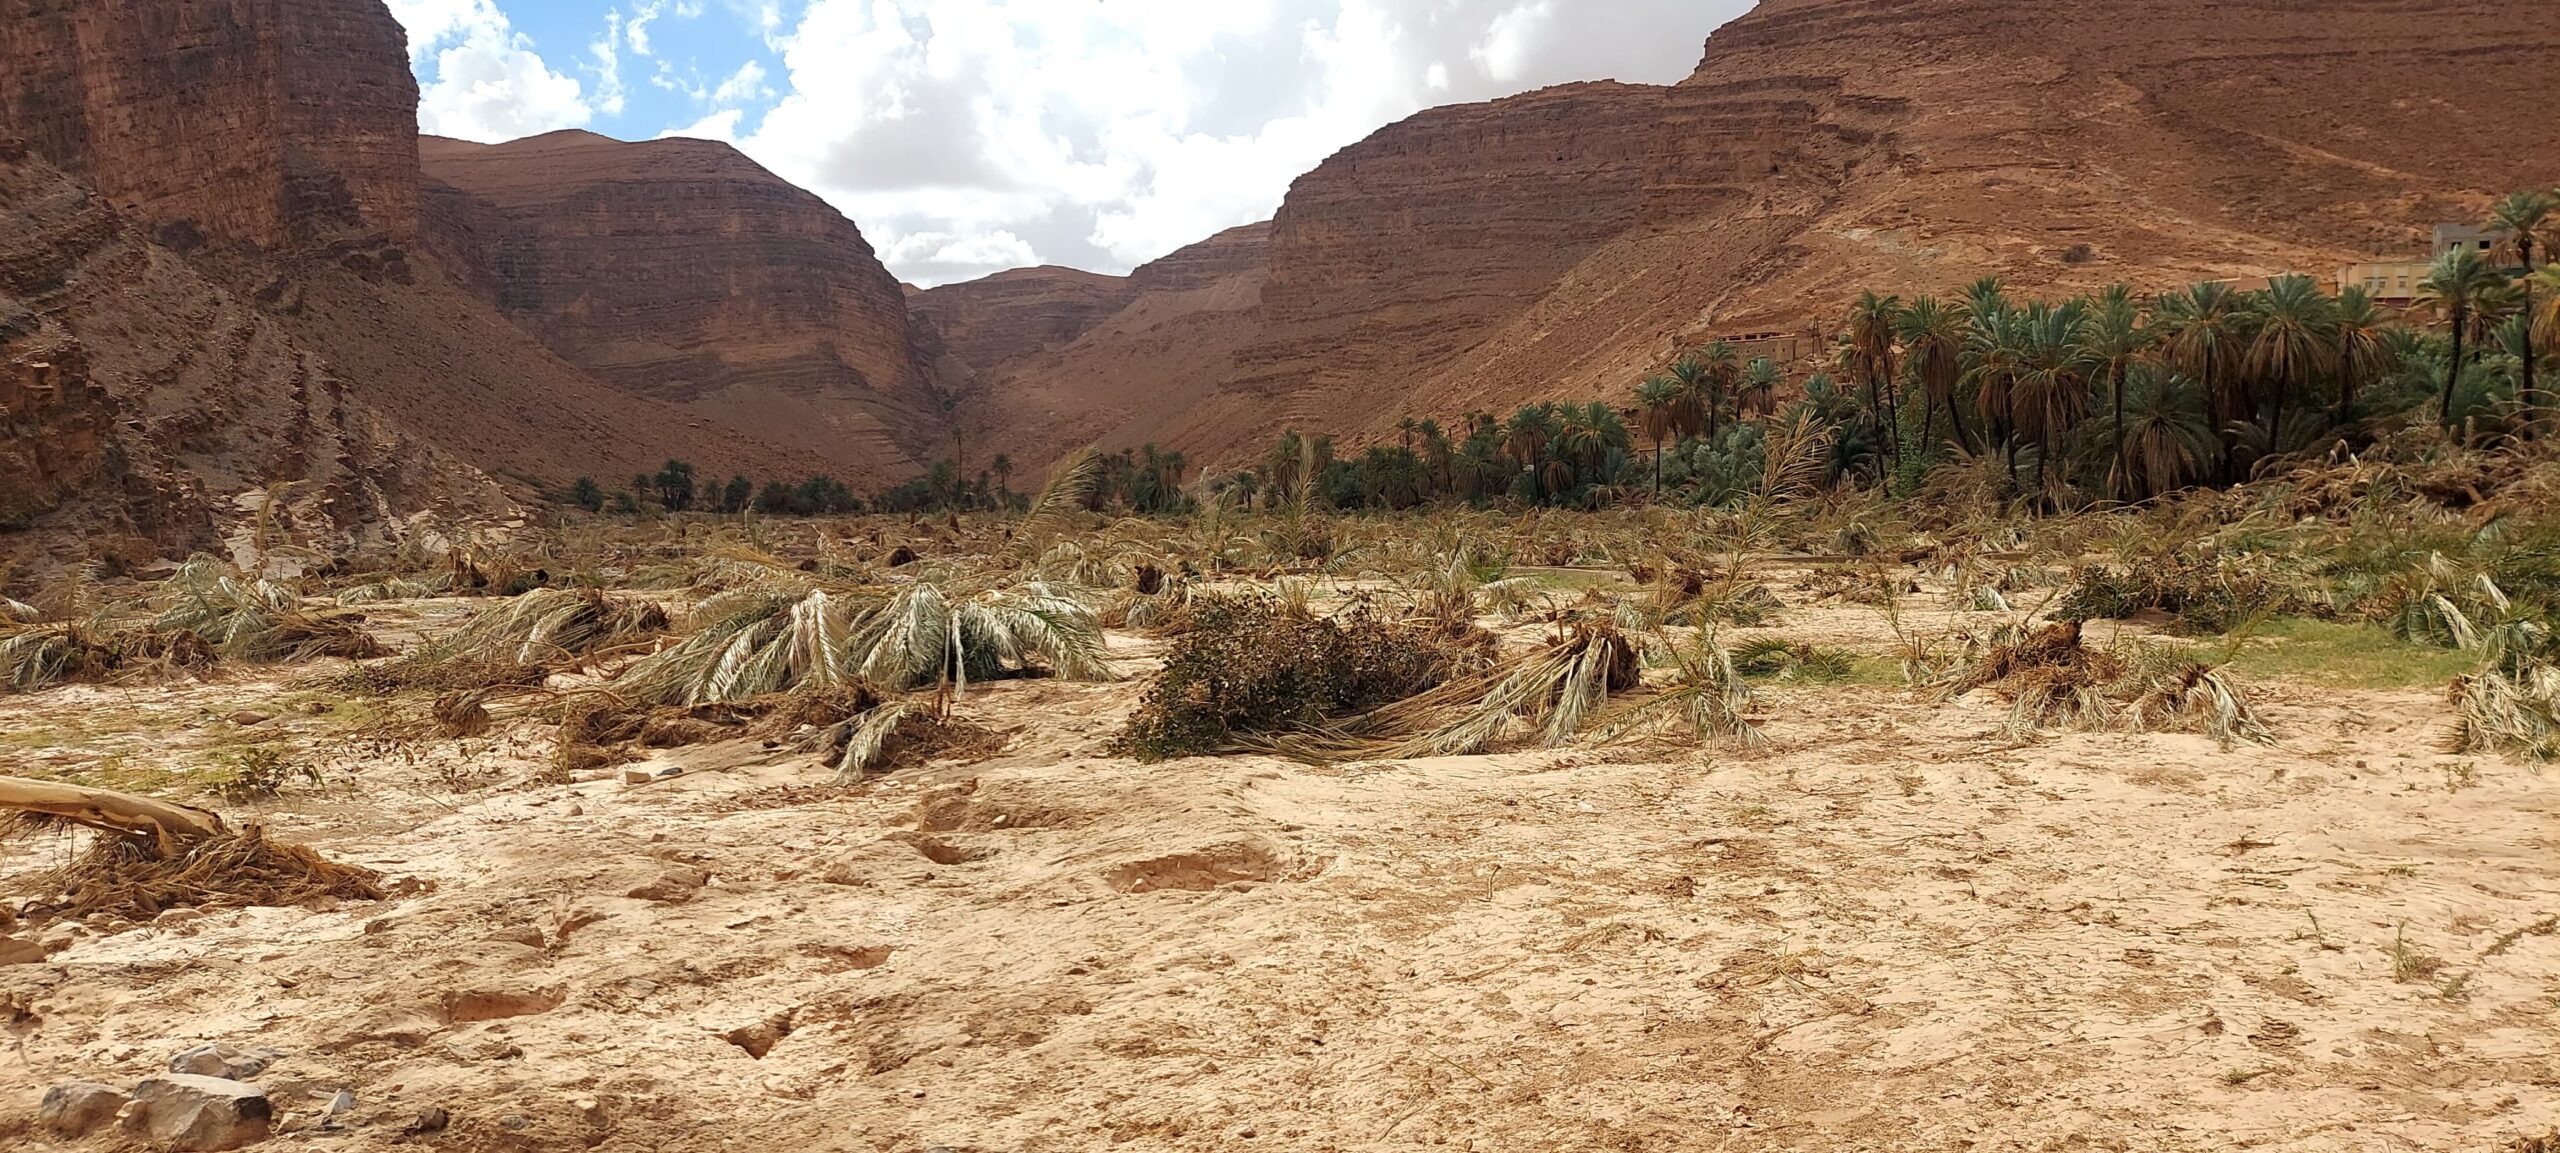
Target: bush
column 1253, row 665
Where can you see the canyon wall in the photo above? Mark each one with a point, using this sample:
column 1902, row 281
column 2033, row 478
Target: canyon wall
column 1567, row 242
column 681, row 272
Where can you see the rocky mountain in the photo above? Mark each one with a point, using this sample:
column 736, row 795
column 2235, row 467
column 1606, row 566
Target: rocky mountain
column 680, row 271
column 1566, row 242
column 224, row 275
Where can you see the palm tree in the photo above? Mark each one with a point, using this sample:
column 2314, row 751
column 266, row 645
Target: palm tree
column 1406, row 426
column 1002, row 467
column 2458, row 290
column 2364, row 347
column 1995, row 351
column 2204, row 334
column 1657, row 410
column 1760, row 385
column 2116, row 340
column 2522, row 217
column 1724, row 373
column 2166, row 430
column 2296, row 341
column 1693, row 383
column 1872, row 321
column 1932, row 338
column 2050, row 391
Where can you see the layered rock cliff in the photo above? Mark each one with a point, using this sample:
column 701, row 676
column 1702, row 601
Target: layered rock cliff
column 1564, row 243
column 680, row 271
column 137, row 398
column 248, row 171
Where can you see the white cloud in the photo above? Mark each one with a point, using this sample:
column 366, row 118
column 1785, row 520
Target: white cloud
column 743, row 86
column 607, row 53
column 971, row 135
column 1510, row 38
column 487, row 83
column 721, row 126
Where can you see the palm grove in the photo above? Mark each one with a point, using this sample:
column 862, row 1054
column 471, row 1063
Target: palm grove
column 2114, row 396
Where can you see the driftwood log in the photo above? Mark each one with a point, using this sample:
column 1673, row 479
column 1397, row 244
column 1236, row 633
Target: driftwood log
column 167, row 823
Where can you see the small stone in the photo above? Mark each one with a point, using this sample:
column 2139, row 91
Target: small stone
column 78, row 1108
column 183, row 1111
column 516, row 1121
column 577, row 810
column 520, row 935
column 431, row 1119
column 318, row 708
column 246, row 718
column 225, row 1061
column 674, row 884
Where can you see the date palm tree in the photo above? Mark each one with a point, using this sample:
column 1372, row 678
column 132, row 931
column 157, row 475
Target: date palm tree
column 1760, row 385
column 2521, row 218
column 2117, row 341
column 1932, row 337
column 2165, row 429
column 2049, row 394
column 2296, row 342
column 2204, row 334
column 1870, row 348
column 2457, row 291
column 1694, row 387
column 2365, row 352
column 1657, row 412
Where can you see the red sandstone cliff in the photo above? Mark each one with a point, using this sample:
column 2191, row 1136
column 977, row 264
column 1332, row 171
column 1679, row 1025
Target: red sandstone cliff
column 217, row 279
column 680, row 271
column 1565, row 242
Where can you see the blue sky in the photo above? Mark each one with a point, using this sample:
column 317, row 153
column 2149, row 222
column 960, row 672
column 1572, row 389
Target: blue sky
column 969, row 136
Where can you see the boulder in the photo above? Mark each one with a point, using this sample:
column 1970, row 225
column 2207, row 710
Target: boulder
column 187, row 1112
column 78, row 1108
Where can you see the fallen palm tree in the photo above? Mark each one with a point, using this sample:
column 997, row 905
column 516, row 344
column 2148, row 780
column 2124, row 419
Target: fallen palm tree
column 2053, row 680
column 150, row 855
column 515, row 642
column 49, row 654
column 255, row 619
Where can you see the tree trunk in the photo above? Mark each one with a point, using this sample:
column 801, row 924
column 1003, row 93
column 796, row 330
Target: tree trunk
column 165, row 822
column 2124, row 467
column 1955, row 416
column 2526, row 391
column 2452, row 370
column 1657, row 468
column 2275, row 420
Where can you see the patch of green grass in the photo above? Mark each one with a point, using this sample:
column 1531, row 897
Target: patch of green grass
column 2355, row 656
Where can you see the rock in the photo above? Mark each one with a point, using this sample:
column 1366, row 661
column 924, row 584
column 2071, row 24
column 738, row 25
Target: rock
column 318, row 708
column 759, row 1037
column 340, row 1104
column 520, row 935
column 432, row 1119
column 186, row 1112
column 24, row 950
column 672, row 885
column 500, row 1001
column 226, row 1061
column 78, row 1108
column 247, row 718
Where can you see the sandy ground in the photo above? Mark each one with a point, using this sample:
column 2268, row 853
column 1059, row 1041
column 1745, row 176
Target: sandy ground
column 1896, row 929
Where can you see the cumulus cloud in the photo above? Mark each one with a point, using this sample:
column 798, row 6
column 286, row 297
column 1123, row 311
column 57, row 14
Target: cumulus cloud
column 482, row 80
column 967, row 136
